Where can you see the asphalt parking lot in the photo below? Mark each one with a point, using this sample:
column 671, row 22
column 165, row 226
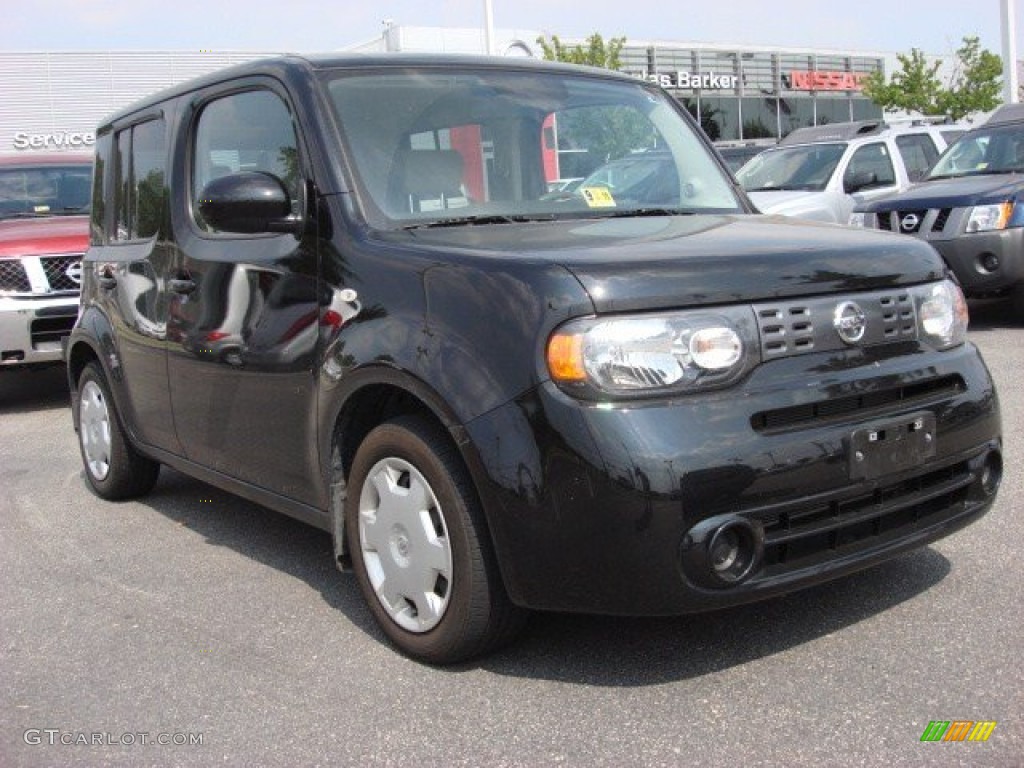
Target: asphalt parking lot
column 198, row 619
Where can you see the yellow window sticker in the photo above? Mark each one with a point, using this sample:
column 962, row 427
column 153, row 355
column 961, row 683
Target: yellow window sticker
column 598, row 197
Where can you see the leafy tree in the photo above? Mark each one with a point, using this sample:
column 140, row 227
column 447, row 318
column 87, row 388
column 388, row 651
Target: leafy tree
column 972, row 87
column 596, row 54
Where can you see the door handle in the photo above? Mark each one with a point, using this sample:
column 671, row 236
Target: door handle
column 181, row 285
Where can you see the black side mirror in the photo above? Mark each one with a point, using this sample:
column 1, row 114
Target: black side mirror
column 860, row 180
column 249, row 202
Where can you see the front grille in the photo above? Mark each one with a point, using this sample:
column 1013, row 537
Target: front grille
column 56, row 268
column 940, row 220
column 823, row 411
column 884, row 220
column 13, row 277
column 802, row 537
column 46, row 331
column 41, row 275
column 799, row 326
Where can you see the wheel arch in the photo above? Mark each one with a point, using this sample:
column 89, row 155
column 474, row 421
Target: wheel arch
column 371, row 397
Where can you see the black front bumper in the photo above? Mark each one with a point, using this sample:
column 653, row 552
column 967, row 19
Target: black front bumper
column 592, row 506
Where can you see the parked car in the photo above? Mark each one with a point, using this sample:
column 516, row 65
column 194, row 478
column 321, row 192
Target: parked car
column 495, row 401
column 738, row 154
column 970, row 206
column 822, row 172
column 44, row 230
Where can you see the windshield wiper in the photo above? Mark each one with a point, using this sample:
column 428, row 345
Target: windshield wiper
column 782, row 188
column 471, row 221
column 647, row 212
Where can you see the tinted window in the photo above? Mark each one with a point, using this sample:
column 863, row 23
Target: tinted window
column 250, row 131
column 140, row 169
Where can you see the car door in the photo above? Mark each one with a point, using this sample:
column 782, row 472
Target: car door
column 874, row 161
column 244, row 307
column 130, row 252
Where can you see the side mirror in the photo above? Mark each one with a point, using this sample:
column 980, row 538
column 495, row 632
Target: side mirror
column 860, row 180
column 915, row 175
column 248, row 202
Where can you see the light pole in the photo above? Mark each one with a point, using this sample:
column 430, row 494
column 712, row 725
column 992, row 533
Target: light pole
column 488, row 28
column 1009, row 29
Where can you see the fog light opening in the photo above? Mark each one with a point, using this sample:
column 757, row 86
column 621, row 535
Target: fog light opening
column 991, row 473
column 731, row 553
column 989, row 262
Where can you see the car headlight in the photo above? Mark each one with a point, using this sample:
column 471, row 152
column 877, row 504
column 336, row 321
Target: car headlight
column 858, row 219
column 942, row 314
column 986, row 218
column 639, row 355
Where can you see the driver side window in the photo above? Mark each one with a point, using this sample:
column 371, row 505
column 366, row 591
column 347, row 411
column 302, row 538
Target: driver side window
column 871, row 159
column 248, row 131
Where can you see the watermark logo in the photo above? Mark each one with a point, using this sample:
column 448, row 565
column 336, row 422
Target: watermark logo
column 958, row 730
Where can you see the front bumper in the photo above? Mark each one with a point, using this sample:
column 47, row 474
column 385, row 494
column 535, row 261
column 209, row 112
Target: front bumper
column 31, row 329
column 970, row 256
column 593, row 507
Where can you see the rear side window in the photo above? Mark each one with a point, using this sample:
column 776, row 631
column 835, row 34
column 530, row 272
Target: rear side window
column 140, row 156
column 248, row 131
column 918, row 152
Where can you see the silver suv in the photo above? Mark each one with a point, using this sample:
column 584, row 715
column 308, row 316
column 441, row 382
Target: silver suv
column 823, row 172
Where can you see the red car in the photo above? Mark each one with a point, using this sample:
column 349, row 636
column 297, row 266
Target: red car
column 44, row 231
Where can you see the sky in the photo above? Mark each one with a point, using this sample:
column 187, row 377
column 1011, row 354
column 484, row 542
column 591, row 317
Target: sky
column 304, row 26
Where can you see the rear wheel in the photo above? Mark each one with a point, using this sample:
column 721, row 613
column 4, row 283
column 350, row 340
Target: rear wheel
column 419, row 546
column 113, row 468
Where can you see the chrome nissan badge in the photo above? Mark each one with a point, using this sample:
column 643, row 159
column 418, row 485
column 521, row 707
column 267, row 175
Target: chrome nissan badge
column 909, row 222
column 74, row 273
column 850, row 322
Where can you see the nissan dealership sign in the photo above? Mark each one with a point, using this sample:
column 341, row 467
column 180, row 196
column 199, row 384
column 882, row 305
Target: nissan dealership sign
column 58, row 140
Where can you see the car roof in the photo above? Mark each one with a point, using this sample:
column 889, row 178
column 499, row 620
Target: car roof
column 30, row 160
column 1008, row 113
column 853, row 131
column 280, row 66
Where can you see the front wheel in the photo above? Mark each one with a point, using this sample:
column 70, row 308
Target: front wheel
column 113, row 468
column 419, row 546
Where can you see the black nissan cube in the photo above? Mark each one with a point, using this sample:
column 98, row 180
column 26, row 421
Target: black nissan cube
column 338, row 287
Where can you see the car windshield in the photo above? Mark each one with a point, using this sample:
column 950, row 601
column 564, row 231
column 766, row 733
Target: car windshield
column 999, row 149
column 803, row 167
column 44, row 190
column 445, row 147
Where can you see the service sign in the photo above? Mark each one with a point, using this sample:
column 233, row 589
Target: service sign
column 58, row 140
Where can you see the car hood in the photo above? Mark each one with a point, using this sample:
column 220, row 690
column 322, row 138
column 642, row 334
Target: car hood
column 816, row 205
column 952, row 193
column 39, row 236
column 647, row 263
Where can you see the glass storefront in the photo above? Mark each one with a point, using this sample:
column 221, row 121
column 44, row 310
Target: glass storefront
column 751, row 95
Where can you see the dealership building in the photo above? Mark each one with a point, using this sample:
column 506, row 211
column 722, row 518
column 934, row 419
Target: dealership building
column 55, row 100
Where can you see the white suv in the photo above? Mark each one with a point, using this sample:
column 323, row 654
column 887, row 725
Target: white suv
column 822, row 172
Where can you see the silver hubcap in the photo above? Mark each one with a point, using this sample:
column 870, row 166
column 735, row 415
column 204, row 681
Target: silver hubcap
column 405, row 546
column 94, row 430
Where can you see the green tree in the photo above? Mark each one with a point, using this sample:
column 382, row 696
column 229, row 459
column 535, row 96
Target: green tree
column 972, row 87
column 597, row 53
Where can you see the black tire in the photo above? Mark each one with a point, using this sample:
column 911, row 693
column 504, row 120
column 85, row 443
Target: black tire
column 466, row 611
column 1017, row 302
column 113, row 468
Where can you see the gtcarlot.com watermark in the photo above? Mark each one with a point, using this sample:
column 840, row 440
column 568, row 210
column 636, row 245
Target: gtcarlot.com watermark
column 56, row 736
